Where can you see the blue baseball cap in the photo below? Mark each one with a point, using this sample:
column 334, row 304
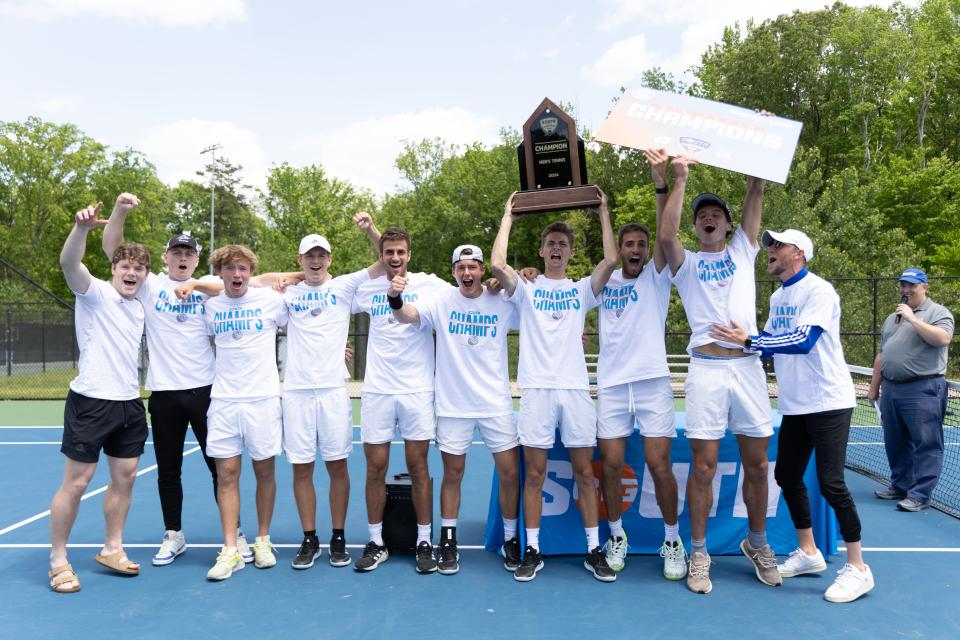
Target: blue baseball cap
column 915, row 276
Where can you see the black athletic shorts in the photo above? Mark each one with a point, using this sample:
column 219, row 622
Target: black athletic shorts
column 118, row 427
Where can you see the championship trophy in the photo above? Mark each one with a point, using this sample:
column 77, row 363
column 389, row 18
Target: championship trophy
column 553, row 168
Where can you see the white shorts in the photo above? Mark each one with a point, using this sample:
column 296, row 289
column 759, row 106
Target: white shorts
column 455, row 435
column 256, row 426
column 382, row 415
column 727, row 392
column 543, row 410
column 317, row 419
column 648, row 402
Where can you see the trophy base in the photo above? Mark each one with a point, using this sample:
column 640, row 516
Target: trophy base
column 558, row 199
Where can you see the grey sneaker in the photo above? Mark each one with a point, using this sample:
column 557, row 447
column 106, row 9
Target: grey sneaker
column 338, row 552
column 889, row 494
column 911, row 504
column 698, row 577
column 373, row 556
column 764, row 563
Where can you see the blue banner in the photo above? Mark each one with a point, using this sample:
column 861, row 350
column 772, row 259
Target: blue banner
column 561, row 529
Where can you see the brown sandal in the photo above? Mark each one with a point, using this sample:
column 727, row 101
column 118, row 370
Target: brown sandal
column 60, row 576
column 119, row 562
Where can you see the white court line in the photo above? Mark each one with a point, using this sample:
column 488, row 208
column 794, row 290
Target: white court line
column 908, row 549
column 95, row 492
column 217, row 545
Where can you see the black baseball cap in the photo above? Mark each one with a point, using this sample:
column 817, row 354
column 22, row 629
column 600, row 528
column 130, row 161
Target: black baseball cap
column 183, row 240
column 705, row 199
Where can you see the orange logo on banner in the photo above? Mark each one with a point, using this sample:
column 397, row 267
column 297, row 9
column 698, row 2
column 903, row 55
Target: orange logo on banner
column 627, row 496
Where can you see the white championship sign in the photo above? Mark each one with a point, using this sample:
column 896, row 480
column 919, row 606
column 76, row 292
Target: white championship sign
column 714, row 133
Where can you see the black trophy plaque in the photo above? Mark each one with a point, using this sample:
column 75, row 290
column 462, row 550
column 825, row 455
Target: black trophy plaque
column 553, row 168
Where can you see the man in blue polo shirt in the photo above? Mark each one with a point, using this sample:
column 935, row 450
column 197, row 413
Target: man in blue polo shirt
column 913, row 395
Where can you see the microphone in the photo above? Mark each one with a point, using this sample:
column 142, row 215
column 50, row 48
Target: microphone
column 903, row 300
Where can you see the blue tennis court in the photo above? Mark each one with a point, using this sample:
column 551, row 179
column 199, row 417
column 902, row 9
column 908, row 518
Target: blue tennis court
column 914, row 558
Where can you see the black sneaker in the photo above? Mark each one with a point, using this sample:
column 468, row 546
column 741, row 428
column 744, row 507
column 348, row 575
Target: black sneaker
column 338, row 552
column 449, row 562
column 596, row 563
column 373, row 555
column 308, row 552
column 511, row 554
column 426, row 563
column 527, row 569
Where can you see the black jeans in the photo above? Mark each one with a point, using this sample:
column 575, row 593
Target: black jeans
column 170, row 413
column 826, row 433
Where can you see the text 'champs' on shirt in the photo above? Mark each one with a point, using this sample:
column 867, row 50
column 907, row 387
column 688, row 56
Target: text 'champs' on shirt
column 319, row 322
column 552, row 313
column 245, row 332
column 180, row 355
column 399, row 356
column 633, row 316
column 472, row 371
column 719, row 287
column 108, row 332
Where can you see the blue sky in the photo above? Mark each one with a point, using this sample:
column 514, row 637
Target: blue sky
column 338, row 84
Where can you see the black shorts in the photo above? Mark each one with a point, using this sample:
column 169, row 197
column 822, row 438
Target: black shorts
column 118, row 427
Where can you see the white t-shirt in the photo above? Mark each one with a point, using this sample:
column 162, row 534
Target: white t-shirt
column 633, row 317
column 472, row 374
column 819, row 380
column 245, row 331
column 108, row 332
column 399, row 356
column 180, row 353
column 719, row 287
column 317, row 331
column 551, row 329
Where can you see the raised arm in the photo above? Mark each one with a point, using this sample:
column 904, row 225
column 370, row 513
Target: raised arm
column 498, row 255
column 603, row 270
column 113, row 232
column 364, row 222
column 753, row 208
column 658, row 159
column 669, row 224
column 404, row 313
column 71, row 256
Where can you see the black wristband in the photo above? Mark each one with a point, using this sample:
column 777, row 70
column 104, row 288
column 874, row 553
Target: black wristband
column 395, row 302
column 661, row 190
column 748, row 343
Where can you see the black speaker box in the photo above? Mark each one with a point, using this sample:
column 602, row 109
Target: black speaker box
column 399, row 516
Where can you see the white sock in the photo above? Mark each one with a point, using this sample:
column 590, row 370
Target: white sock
column 533, row 538
column 376, row 533
column 671, row 532
column 616, row 528
column 593, row 537
column 423, row 533
column 447, row 522
column 510, row 528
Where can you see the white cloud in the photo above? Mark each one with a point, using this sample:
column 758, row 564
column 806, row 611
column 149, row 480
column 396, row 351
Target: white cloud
column 175, row 149
column 364, row 152
column 700, row 22
column 173, row 13
column 624, row 61
column 56, row 104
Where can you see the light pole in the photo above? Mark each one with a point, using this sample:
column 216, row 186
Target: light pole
column 212, row 150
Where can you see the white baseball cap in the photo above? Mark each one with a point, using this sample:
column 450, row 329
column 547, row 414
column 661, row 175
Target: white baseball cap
column 790, row 236
column 314, row 240
column 467, row 252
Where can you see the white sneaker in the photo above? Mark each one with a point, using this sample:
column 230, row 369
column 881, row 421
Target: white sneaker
column 173, row 545
column 616, row 551
column 243, row 548
column 227, row 563
column 674, row 560
column 698, row 578
column 263, row 554
column 798, row 563
column 851, row 583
